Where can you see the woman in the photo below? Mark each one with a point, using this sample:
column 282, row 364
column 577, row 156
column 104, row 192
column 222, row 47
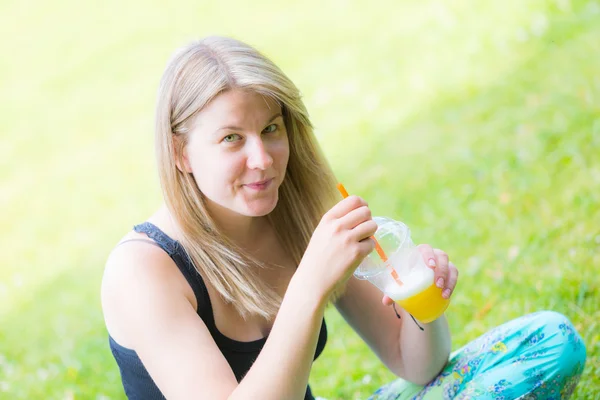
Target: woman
column 221, row 293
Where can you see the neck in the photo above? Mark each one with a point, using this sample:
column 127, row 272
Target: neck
column 243, row 230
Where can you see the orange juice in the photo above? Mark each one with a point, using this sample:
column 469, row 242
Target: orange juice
column 427, row 305
column 398, row 269
column 418, row 295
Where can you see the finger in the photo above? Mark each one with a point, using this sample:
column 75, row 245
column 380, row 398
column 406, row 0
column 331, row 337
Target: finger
column 452, row 279
column 355, row 217
column 366, row 246
column 441, row 270
column 428, row 255
column 387, row 301
column 364, row 230
column 345, row 206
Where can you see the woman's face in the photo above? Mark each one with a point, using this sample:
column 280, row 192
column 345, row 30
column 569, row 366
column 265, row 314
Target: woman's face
column 238, row 153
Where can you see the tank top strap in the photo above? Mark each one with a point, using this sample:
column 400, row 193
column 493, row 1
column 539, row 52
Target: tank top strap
column 178, row 254
column 153, row 232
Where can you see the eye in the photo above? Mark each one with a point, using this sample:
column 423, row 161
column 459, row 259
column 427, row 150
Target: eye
column 271, row 128
column 231, row 138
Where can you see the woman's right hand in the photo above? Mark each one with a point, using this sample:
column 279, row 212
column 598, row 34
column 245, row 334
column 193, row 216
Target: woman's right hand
column 338, row 245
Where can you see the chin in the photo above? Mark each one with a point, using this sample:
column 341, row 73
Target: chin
column 260, row 208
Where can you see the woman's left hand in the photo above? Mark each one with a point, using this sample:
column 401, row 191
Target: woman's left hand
column 446, row 274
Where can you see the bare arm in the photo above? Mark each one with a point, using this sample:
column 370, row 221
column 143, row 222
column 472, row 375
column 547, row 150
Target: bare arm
column 282, row 369
column 146, row 309
column 415, row 355
column 338, row 244
column 426, row 352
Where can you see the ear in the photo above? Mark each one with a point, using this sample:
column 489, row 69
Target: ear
column 181, row 155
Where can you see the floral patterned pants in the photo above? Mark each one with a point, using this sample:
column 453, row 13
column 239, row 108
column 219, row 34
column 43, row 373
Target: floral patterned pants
column 537, row 356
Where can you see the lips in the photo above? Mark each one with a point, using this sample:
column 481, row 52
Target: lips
column 260, row 185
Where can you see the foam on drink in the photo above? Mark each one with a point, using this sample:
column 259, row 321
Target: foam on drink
column 416, row 278
column 415, row 281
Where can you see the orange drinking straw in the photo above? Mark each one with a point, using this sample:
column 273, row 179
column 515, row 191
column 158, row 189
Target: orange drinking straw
column 378, row 248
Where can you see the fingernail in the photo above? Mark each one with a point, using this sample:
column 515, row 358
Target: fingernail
column 431, row 262
column 440, row 283
column 446, row 293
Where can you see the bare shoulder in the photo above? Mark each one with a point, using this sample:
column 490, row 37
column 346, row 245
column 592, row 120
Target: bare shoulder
column 138, row 274
column 136, row 258
column 148, row 307
column 135, row 253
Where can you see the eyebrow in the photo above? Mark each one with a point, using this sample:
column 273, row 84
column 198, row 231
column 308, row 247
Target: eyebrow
column 237, row 128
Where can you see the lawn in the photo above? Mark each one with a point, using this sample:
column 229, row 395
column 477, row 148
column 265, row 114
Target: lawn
column 476, row 123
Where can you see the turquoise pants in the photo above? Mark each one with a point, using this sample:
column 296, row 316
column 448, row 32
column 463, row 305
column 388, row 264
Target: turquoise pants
column 538, row 356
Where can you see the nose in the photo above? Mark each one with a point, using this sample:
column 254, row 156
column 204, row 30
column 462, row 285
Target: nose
column 258, row 156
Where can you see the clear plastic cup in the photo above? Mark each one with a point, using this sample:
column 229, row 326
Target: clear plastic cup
column 418, row 293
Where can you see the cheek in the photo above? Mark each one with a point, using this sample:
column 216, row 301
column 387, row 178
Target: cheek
column 207, row 170
column 221, row 170
column 198, row 160
column 283, row 153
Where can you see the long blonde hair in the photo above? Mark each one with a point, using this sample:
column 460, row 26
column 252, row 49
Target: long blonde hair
column 195, row 75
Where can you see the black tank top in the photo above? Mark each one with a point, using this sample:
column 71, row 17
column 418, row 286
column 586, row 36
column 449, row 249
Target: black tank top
column 240, row 355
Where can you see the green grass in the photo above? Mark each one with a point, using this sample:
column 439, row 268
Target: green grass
column 476, row 123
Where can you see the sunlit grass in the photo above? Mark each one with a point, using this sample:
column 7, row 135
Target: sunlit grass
column 477, row 123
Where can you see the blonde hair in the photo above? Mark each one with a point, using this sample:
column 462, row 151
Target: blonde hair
column 194, row 76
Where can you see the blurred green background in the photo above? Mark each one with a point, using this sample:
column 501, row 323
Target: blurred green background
column 476, row 123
